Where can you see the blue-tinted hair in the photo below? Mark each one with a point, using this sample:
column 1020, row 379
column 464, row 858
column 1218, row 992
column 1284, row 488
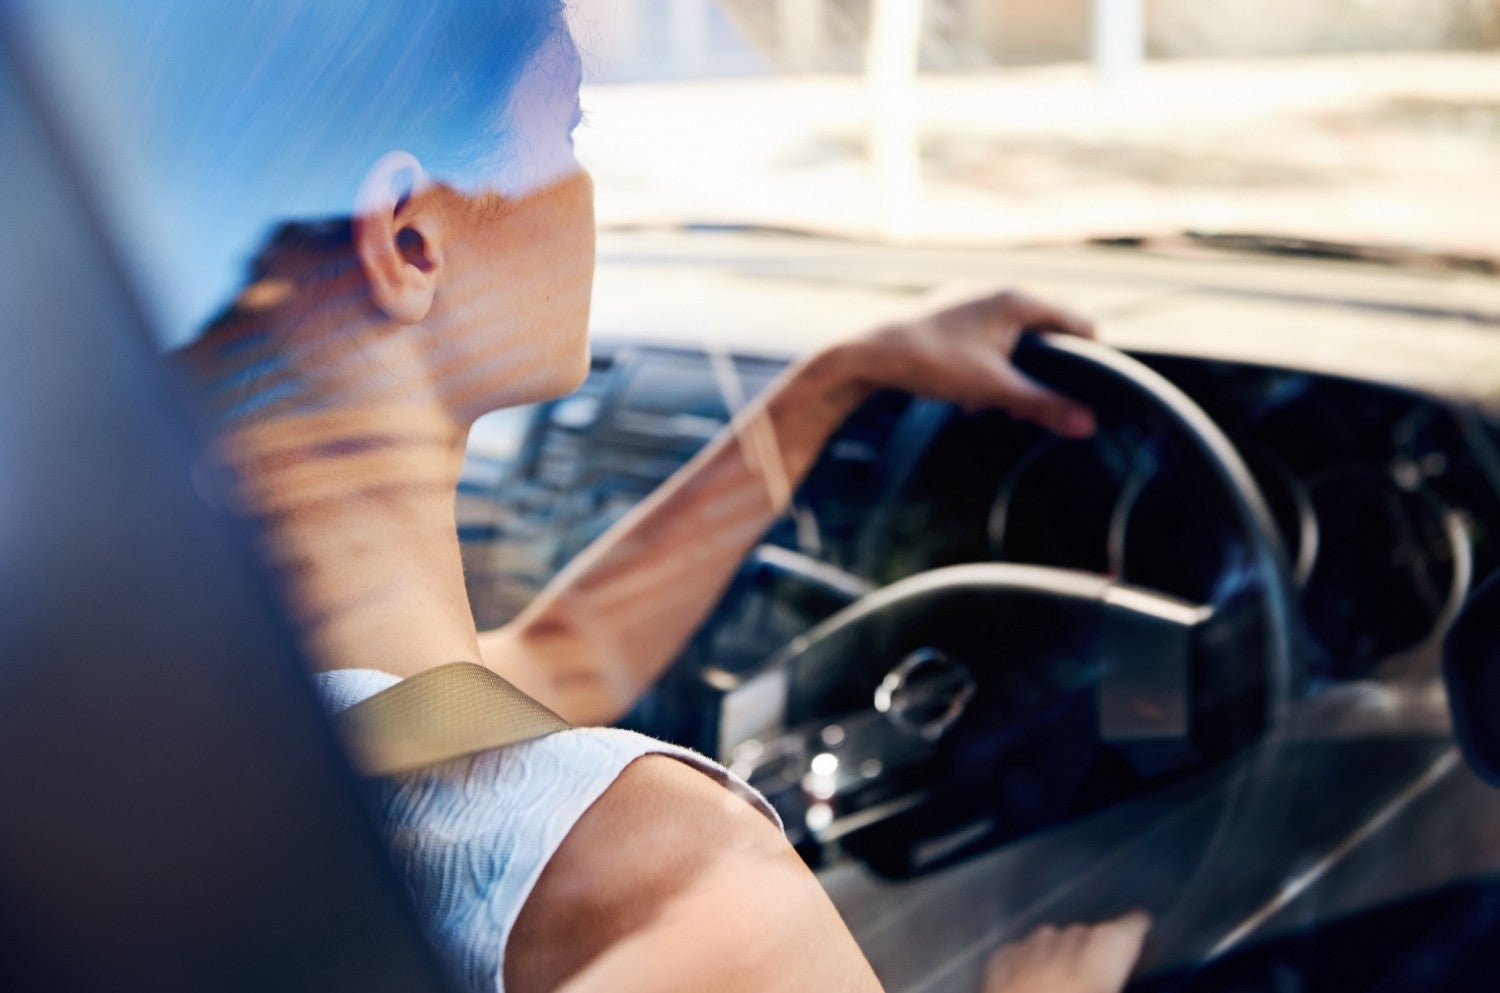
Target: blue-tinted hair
column 210, row 122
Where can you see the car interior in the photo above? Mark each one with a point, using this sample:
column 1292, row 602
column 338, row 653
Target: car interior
column 972, row 648
column 1233, row 659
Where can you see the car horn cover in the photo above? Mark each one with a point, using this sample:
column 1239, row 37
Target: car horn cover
column 926, row 693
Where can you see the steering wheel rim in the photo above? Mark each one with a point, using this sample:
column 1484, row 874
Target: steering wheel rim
column 872, row 627
column 1056, row 360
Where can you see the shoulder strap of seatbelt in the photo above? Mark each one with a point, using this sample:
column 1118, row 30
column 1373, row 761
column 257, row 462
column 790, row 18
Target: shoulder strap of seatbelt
column 440, row 714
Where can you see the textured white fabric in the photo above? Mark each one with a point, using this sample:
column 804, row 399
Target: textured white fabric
column 472, row 835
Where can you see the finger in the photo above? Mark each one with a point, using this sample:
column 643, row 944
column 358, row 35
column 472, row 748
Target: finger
column 1002, row 968
column 1029, row 312
column 1024, row 397
column 1138, row 919
column 1111, row 951
column 1021, row 958
column 1075, row 941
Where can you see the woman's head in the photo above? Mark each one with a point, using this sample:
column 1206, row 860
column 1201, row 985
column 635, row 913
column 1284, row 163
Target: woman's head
column 491, row 275
column 441, row 128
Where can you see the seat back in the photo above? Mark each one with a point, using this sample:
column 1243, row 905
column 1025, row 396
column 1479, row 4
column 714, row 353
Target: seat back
column 175, row 812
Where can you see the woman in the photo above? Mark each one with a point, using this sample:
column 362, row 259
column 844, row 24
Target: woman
column 343, row 381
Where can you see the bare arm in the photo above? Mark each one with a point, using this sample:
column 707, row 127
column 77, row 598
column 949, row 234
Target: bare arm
column 670, row 884
column 602, row 631
column 609, row 624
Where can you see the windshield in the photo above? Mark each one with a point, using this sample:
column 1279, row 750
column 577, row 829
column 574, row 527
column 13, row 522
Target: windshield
column 1006, row 122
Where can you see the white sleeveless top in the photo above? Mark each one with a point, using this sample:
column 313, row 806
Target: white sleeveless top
column 472, row 836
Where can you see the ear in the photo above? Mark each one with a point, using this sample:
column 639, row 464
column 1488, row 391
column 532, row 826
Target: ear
column 396, row 240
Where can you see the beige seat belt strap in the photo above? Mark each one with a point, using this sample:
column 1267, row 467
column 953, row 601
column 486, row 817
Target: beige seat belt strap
column 444, row 713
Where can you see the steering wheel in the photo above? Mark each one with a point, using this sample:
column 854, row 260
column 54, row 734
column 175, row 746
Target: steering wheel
column 973, row 703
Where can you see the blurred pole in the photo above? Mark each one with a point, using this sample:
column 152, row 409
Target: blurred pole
column 623, row 28
column 1119, row 38
column 975, row 19
column 799, row 33
column 891, row 77
column 689, row 29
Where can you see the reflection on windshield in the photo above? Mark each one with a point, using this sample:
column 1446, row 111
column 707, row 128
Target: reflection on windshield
column 290, row 119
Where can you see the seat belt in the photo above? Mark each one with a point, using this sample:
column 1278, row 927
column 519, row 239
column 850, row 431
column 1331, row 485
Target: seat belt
column 443, row 713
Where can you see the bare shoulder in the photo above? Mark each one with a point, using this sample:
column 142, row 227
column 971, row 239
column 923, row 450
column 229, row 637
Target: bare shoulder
column 655, row 829
column 670, row 880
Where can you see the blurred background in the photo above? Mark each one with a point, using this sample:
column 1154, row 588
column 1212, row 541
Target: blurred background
column 1022, row 121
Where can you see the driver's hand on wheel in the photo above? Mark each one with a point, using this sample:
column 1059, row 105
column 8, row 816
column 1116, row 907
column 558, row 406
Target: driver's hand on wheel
column 1080, row 958
column 962, row 354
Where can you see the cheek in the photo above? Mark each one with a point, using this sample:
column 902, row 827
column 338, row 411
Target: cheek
column 570, row 230
column 566, row 225
column 542, row 246
column 583, row 221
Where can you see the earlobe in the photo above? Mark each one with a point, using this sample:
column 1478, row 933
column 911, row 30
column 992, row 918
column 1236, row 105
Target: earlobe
column 398, row 252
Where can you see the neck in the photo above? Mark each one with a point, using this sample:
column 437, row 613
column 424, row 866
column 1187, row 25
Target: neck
column 354, row 485
column 357, row 512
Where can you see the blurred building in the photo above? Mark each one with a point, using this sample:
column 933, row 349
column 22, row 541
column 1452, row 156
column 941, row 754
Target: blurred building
column 633, row 40
column 666, row 39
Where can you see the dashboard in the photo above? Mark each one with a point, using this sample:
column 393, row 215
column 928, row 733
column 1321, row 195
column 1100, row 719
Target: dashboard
column 1387, row 501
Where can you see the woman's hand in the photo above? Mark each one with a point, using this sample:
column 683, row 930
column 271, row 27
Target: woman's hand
column 610, row 624
column 962, row 354
column 1081, row 958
